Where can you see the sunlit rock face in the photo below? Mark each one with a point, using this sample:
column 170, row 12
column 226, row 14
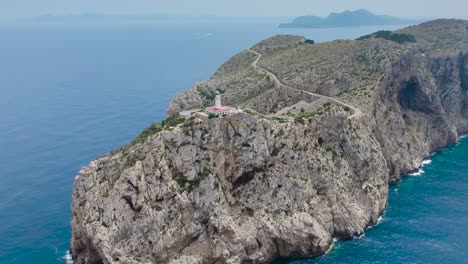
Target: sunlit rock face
column 250, row 187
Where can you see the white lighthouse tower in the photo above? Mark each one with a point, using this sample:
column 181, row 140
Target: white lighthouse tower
column 218, row 109
column 218, row 100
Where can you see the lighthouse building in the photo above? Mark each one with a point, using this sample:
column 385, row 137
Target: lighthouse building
column 218, row 109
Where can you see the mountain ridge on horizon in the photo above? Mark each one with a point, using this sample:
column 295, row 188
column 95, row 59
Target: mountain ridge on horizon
column 347, row 18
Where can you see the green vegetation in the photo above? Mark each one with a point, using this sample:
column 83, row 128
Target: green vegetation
column 188, row 126
column 279, row 119
column 132, row 160
column 205, row 172
column 326, row 105
column 154, row 128
column 209, row 96
column 250, row 112
column 211, row 116
column 205, row 95
column 151, row 130
column 190, row 185
column 309, row 41
column 305, row 115
column 181, row 181
column 340, row 94
column 389, row 35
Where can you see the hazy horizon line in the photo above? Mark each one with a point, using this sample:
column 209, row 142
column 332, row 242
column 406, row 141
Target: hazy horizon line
column 167, row 15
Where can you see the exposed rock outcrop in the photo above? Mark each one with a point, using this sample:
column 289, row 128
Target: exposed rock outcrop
column 246, row 188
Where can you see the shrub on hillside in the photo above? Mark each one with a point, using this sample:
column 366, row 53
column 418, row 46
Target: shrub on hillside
column 389, row 35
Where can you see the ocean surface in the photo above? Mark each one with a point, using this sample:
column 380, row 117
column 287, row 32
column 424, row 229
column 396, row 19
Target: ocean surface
column 426, row 220
column 71, row 92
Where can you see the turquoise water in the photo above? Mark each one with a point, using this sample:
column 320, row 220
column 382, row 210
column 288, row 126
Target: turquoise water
column 426, row 220
column 70, row 93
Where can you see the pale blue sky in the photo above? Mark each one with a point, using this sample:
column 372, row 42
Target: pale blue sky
column 404, row 8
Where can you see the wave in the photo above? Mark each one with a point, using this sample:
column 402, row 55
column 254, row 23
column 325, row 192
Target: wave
column 426, row 162
column 332, row 246
column 421, row 171
column 67, row 257
column 379, row 220
column 460, row 139
column 418, row 173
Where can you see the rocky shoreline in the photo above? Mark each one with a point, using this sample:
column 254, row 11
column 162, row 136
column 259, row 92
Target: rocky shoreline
column 249, row 188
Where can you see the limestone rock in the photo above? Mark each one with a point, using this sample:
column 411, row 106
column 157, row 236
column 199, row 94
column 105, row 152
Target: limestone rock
column 248, row 188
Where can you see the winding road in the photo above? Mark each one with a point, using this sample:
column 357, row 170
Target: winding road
column 356, row 112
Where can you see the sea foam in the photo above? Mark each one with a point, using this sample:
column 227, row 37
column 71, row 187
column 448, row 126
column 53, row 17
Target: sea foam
column 418, row 173
column 68, row 257
column 421, row 171
column 426, row 162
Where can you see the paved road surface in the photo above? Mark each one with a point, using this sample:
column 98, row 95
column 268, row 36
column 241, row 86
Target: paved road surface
column 356, row 112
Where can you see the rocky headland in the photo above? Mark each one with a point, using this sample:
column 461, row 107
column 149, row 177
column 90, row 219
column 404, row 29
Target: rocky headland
column 355, row 18
column 294, row 170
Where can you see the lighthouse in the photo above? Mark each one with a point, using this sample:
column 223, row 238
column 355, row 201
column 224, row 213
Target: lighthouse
column 218, row 100
column 218, row 109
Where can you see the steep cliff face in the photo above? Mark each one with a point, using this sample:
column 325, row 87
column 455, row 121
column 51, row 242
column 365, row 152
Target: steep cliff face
column 419, row 109
column 248, row 188
column 235, row 189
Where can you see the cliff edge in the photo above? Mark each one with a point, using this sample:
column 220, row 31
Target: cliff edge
column 293, row 171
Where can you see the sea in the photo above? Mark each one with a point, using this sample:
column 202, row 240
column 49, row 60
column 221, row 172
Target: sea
column 70, row 92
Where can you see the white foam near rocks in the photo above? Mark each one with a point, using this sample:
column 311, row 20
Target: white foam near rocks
column 421, row 171
column 418, row 173
column 331, row 246
column 68, row 257
column 426, row 162
column 379, row 220
column 460, row 138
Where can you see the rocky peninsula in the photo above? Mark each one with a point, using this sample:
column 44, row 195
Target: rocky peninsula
column 361, row 17
column 296, row 169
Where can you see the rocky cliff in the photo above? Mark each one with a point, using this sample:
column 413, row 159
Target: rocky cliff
column 291, row 173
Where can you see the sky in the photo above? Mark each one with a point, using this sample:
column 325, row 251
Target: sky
column 287, row 8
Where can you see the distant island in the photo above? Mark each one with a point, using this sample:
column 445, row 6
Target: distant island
column 359, row 17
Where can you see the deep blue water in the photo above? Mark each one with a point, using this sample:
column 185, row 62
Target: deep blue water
column 426, row 220
column 72, row 92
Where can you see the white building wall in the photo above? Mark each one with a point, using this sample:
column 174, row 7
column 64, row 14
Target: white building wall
column 218, row 100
